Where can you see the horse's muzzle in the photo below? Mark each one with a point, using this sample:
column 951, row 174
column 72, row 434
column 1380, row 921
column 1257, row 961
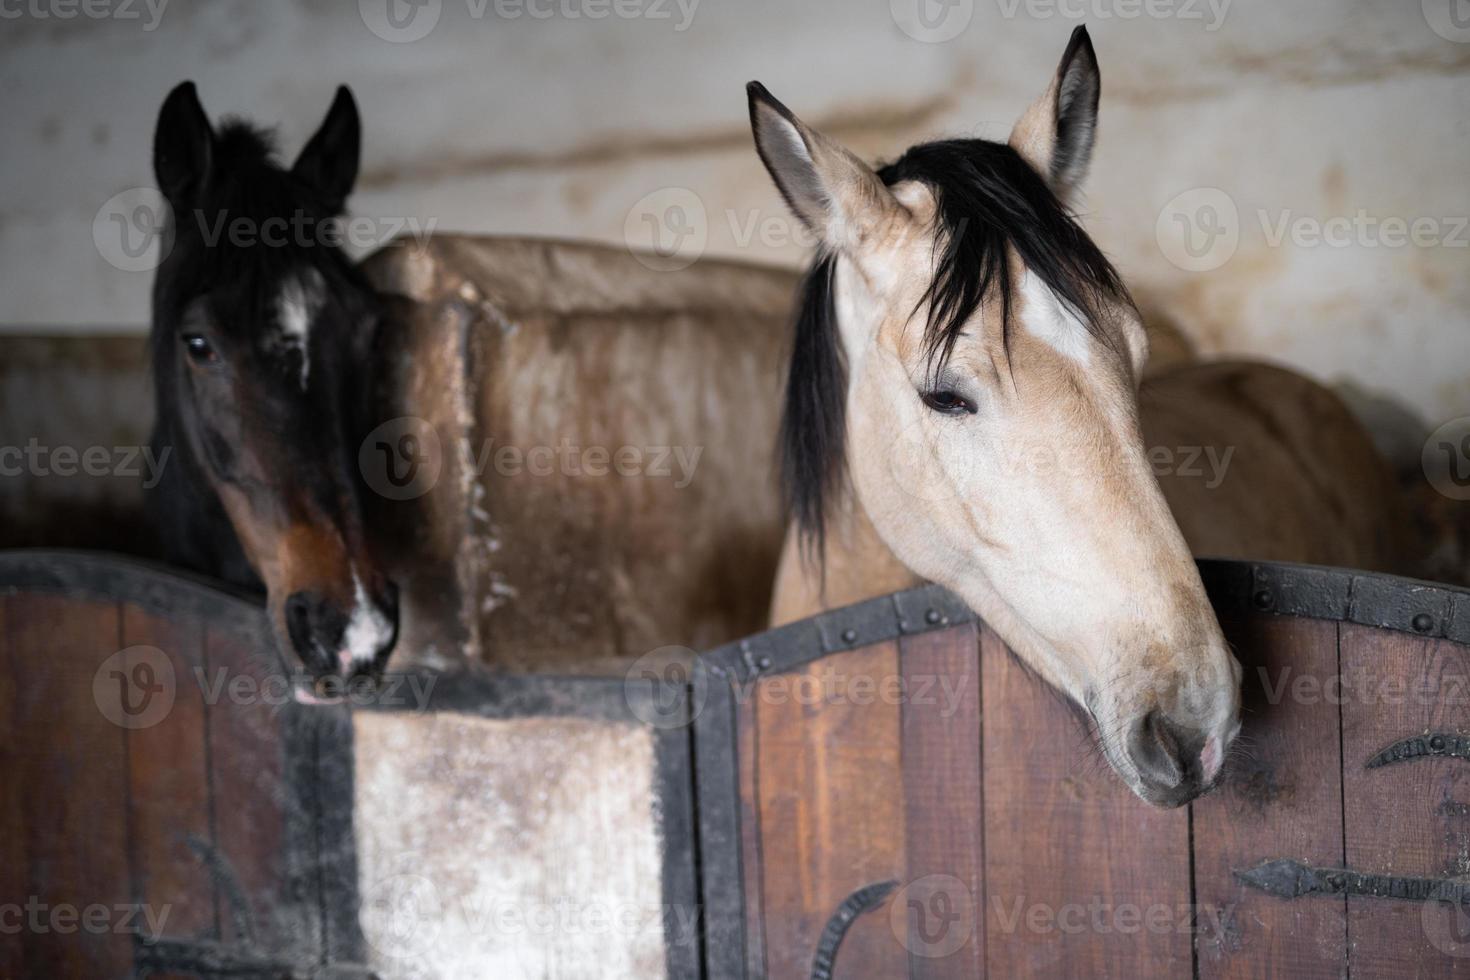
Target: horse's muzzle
column 333, row 639
column 1175, row 762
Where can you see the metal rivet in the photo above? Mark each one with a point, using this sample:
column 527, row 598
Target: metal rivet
column 932, row 617
column 1423, row 623
column 1263, row 599
column 849, row 636
column 1437, row 743
column 764, row 663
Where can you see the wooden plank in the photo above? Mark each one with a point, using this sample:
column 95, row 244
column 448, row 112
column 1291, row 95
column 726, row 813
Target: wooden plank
column 1410, row 818
column 1281, row 797
column 1082, row 878
column 831, row 799
column 72, row 762
column 14, row 868
column 747, row 727
column 248, row 782
column 168, row 771
column 943, row 894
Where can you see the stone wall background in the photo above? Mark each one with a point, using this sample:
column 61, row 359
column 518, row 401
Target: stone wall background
column 620, row 120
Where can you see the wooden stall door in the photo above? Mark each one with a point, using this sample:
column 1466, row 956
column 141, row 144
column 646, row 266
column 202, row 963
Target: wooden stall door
column 868, row 835
column 916, row 807
column 1281, row 799
column 1406, row 789
column 163, row 807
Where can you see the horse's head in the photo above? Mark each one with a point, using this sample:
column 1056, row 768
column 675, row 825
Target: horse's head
column 967, row 362
column 262, row 352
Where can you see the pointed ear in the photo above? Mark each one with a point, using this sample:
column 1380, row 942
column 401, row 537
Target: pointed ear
column 183, row 145
column 837, row 196
column 328, row 164
column 1056, row 134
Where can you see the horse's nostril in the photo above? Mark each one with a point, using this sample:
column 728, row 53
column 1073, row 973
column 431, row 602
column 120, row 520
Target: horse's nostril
column 1157, row 750
column 314, row 626
column 298, row 620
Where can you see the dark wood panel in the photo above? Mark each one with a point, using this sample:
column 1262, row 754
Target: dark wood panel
column 71, row 761
column 944, row 809
column 748, row 740
column 1281, row 798
column 1082, row 878
column 250, row 790
column 1410, row 818
column 168, row 770
column 14, row 882
column 831, row 802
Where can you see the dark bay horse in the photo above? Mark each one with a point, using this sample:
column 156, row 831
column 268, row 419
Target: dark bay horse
column 262, row 349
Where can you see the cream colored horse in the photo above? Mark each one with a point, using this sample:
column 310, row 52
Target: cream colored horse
column 967, row 404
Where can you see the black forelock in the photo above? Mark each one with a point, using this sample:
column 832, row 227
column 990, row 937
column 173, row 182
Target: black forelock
column 989, row 201
column 241, row 144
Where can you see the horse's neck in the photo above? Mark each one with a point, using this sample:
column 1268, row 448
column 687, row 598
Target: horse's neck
column 194, row 529
column 855, row 565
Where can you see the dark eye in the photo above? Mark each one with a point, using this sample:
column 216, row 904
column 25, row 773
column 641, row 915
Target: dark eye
column 947, row 403
column 199, row 348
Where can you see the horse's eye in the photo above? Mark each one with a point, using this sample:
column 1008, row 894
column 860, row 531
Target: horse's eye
column 947, row 403
column 199, row 348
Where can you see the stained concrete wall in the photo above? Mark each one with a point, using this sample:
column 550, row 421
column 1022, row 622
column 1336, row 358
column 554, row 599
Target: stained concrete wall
column 1285, row 179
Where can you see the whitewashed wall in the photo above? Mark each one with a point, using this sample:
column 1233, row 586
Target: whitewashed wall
column 1268, row 117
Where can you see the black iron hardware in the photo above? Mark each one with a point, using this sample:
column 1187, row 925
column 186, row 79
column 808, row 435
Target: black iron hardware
column 1434, row 744
column 864, row 899
column 1293, row 879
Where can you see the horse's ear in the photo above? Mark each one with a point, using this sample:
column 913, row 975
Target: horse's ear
column 183, row 145
column 837, row 196
column 1057, row 133
column 328, row 164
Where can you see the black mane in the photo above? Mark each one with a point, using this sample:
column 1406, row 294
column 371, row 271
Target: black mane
column 989, row 202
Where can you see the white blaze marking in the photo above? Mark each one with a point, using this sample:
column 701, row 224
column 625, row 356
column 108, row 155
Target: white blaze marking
column 367, row 630
column 1049, row 319
column 296, row 307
